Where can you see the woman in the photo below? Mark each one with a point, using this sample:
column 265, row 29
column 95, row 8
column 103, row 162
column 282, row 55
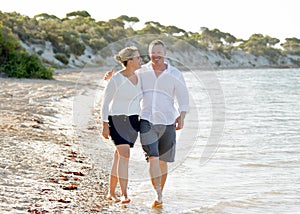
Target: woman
column 120, row 116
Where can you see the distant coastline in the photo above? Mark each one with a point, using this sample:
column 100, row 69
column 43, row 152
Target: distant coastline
column 203, row 59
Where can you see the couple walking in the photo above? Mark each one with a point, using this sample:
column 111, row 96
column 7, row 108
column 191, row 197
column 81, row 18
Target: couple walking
column 140, row 98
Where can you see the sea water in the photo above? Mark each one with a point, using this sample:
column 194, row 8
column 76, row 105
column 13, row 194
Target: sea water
column 239, row 151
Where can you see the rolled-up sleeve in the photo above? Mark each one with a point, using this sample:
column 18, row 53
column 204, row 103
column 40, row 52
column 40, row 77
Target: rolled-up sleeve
column 182, row 94
column 109, row 92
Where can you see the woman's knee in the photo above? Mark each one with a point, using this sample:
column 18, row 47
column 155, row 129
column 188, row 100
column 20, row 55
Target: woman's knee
column 124, row 151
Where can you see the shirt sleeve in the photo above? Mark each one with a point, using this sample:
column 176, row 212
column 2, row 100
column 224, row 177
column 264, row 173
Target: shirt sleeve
column 182, row 94
column 109, row 93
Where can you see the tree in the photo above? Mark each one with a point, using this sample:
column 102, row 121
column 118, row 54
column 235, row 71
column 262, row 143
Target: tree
column 130, row 20
column 270, row 41
column 173, row 30
column 45, row 16
column 260, row 45
column 115, row 23
column 291, row 46
column 79, row 13
column 151, row 28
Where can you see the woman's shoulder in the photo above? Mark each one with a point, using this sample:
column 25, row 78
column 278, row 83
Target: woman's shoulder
column 115, row 79
column 117, row 75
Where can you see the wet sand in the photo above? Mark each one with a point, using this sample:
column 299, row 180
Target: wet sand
column 43, row 165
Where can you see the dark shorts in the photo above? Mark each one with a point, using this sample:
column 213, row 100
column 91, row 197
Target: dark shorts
column 124, row 129
column 158, row 140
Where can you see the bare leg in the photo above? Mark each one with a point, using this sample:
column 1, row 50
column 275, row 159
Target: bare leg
column 164, row 171
column 123, row 162
column 155, row 174
column 113, row 182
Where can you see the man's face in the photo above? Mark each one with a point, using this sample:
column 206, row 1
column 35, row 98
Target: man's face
column 157, row 53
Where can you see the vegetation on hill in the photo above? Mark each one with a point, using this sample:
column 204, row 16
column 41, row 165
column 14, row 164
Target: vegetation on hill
column 78, row 31
column 15, row 62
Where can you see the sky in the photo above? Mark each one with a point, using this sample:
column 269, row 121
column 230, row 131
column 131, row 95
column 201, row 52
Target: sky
column 241, row 18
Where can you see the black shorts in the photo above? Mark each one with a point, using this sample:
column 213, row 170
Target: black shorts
column 158, row 141
column 124, row 129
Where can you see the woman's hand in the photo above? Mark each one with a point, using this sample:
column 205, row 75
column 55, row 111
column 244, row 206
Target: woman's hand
column 105, row 130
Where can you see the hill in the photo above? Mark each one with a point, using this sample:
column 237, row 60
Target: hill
column 78, row 40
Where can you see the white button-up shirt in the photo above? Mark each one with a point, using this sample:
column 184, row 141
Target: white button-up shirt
column 165, row 96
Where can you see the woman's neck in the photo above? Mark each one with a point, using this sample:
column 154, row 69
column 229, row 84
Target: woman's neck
column 127, row 72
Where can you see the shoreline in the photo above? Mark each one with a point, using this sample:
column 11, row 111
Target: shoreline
column 44, row 165
column 235, row 68
column 46, row 160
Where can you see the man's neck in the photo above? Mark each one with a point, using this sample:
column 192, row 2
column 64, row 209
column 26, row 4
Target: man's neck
column 160, row 67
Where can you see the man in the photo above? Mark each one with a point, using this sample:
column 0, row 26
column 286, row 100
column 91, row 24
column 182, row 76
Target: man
column 161, row 85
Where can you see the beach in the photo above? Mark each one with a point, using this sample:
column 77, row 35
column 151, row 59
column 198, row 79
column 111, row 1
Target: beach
column 44, row 167
column 54, row 160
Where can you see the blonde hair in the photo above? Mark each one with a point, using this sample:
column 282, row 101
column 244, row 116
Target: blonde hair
column 126, row 54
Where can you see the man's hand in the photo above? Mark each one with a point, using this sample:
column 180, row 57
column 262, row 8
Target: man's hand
column 179, row 123
column 109, row 74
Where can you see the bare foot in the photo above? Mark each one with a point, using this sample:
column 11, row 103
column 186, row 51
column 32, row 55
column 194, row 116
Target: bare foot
column 125, row 200
column 112, row 198
column 157, row 204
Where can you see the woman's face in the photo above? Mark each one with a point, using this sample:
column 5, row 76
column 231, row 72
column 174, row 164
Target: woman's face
column 137, row 60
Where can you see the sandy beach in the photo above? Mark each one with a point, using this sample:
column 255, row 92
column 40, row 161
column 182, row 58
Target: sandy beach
column 43, row 166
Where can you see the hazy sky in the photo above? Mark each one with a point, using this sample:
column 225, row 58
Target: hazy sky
column 241, row 18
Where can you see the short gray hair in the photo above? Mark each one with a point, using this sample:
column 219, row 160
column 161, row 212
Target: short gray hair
column 157, row 42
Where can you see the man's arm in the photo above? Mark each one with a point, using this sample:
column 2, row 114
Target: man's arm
column 109, row 74
column 179, row 123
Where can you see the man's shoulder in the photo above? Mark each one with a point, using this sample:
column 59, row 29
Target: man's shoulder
column 174, row 71
column 144, row 68
column 147, row 65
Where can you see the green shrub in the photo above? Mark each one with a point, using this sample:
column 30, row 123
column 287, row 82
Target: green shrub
column 77, row 48
column 62, row 57
column 40, row 52
column 97, row 44
column 23, row 65
column 17, row 63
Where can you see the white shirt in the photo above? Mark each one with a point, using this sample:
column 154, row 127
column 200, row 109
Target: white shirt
column 160, row 93
column 121, row 97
